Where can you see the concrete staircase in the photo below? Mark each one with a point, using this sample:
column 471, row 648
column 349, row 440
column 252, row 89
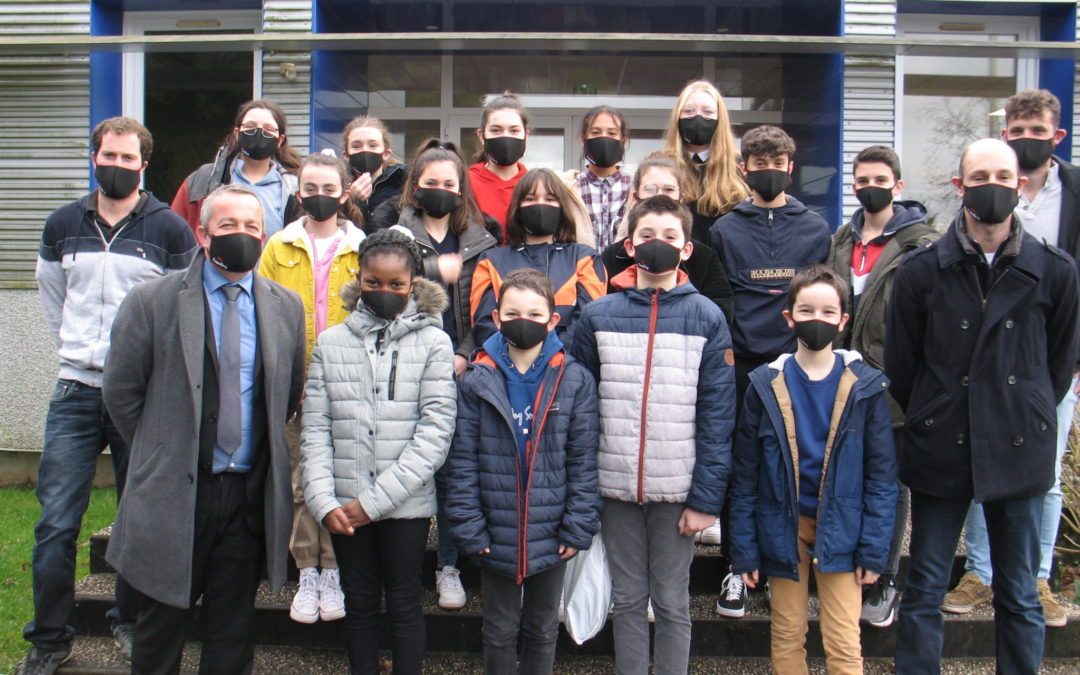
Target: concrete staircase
column 454, row 637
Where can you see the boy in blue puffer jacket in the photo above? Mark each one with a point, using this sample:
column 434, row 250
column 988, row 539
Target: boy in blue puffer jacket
column 522, row 480
column 814, row 479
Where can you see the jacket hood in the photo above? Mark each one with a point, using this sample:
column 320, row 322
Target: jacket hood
column 428, row 297
column 867, row 375
column 497, row 352
column 905, row 214
column 152, row 205
column 479, row 172
column 849, row 357
column 792, row 207
column 393, row 175
column 294, row 233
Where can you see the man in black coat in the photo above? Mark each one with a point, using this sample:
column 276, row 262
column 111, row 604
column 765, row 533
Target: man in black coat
column 981, row 344
column 1049, row 210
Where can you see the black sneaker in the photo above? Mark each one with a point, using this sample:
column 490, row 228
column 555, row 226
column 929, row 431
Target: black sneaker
column 40, row 661
column 732, row 602
column 124, row 639
column 879, row 603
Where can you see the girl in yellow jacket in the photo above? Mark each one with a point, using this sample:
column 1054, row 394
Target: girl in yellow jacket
column 315, row 256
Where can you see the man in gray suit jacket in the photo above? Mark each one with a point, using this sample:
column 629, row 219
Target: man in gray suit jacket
column 206, row 368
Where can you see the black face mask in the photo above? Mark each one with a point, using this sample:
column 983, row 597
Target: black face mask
column 504, row 150
column 990, row 203
column 385, row 304
column 604, row 151
column 523, row 333
column 116, row 182
column 1031, row 153
column 816, row 334
column 873, row 198
column 657, row 257
column 365, row 162
column 437, row 203
column 255, row 145
column 320, row 207
column 697, row 130
column 540, row 220
column 768, row 183
column 237, row 252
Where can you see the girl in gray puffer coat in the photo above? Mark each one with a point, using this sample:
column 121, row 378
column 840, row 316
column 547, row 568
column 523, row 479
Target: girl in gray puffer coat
column 379, row 413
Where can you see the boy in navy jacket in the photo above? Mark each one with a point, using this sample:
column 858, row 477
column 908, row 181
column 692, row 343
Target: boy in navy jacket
column 522, row 486
column 762, row 243
column 815, row 479
column 661, row 353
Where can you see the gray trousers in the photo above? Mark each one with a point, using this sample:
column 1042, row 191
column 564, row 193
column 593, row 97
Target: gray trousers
column 648, row 559
column 534, row 609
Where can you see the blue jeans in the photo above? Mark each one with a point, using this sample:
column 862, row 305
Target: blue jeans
column 1014, row 555
column 77, row 429
column 447, row 550
column 978, row 547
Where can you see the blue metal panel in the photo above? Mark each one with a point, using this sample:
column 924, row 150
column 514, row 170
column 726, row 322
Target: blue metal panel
column 106, row 72
column 1058, row 24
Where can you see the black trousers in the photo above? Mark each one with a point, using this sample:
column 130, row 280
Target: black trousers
column 387, row 555
column 225, row 574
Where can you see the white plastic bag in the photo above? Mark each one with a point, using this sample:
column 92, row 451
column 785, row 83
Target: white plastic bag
column 587, row 592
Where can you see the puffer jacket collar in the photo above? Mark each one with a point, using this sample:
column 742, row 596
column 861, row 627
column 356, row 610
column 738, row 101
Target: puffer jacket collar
column 295, row 234
column 627, row 281
column 425, row 308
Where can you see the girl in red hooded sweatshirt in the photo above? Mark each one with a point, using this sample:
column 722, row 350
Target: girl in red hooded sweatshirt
column 504, row 129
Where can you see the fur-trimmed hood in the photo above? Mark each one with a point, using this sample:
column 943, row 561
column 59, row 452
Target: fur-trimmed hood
column 425, row 308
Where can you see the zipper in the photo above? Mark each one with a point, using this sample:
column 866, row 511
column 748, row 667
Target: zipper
column 531, row 453
column 393, row 374
column 653, row 311
column 986, row 297
column 771, row 252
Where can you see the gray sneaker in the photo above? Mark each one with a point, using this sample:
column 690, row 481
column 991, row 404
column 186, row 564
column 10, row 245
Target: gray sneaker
column 879, row 604
column 124, row 638
column 41, row 661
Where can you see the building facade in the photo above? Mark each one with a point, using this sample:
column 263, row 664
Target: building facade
column 924, row 76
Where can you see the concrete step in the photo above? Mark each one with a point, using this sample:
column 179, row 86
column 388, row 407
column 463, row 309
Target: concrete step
column 707, row 570
column 460, row 631
column 98, row 656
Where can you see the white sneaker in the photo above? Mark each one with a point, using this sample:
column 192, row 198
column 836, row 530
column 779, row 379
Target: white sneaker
column 305, row 604
column 331, row 599
column 710, row 535
column 448, row 585
column 650, row 613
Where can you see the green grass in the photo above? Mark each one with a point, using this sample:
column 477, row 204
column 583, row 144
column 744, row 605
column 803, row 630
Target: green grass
column 19, row 511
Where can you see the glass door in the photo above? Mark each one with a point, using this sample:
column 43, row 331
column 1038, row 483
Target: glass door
column 944, row 104
column 187, row 99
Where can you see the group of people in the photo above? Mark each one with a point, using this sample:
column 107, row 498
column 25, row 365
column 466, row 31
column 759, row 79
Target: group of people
column 314, row 357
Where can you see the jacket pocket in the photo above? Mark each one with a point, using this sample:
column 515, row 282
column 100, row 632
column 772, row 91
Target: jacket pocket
column 774, row 537
column 844, row 528
column 847, row 466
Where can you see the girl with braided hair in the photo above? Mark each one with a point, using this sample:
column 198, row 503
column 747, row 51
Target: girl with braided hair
column 379, row 413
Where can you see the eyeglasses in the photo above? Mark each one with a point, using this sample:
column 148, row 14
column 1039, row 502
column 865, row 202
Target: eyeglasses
column 653, row 190
column 251, row 129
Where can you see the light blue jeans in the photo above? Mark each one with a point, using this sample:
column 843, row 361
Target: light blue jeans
column 978, row 545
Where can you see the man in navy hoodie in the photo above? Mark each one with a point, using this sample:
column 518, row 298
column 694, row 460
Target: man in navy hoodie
column 93, row 251
column 762, row 243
